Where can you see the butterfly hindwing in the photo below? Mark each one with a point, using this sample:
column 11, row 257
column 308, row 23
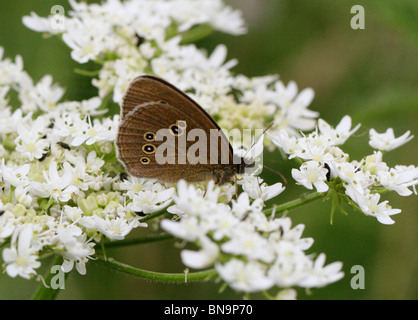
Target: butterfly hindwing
column 138, row 142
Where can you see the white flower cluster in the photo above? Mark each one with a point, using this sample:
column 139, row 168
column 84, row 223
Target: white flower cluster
column 60, row 191
column 325, row 164
column 250, row 251
column 133, row 37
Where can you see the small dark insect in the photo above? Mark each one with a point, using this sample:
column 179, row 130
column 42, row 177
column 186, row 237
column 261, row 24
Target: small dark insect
column 140, row 213
column 123, row 176
column 44, row 156
column 64, row 145
column 281, row 231
column 140, row 39
column 326, row 166
column 51, row 125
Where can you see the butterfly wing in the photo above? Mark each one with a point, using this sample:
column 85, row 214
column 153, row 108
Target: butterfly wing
column 151, row 135
column 146, row 88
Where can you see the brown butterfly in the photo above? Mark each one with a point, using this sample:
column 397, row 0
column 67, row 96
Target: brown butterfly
column 152, row 107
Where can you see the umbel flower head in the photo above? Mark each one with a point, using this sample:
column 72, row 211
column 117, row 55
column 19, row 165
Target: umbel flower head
column 63, row 191
column 325, row 165
column 250, row 251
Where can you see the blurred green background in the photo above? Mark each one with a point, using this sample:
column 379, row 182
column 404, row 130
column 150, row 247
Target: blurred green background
column 368, row 74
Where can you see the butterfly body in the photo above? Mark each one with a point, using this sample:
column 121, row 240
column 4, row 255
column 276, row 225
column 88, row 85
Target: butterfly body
column 154, row 136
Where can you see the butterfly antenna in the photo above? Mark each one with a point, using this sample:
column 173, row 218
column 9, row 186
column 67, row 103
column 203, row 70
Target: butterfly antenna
column 277, row 172
column 265, row 130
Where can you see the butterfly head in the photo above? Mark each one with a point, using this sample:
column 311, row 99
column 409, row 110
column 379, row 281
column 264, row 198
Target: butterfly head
column 228, row 173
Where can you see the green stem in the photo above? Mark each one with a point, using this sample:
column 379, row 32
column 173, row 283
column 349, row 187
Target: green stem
column 351, row 203
column 86, row 73
column 12, row 190
column 45, row 293
column 102, row 245
column 196, row 33
column 304, row 199
column 267, row 295
column 49, row 204
column 380, row 190
column 158, row 276
column 141, row 240
column 153, row 215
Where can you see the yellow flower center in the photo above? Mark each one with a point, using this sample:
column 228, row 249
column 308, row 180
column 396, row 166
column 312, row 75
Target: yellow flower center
column 116, row 230
column 137, row 187
column 312, row 177
column 373, row 208
column 92, row 132
column 31, row 147
column 21, row 261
